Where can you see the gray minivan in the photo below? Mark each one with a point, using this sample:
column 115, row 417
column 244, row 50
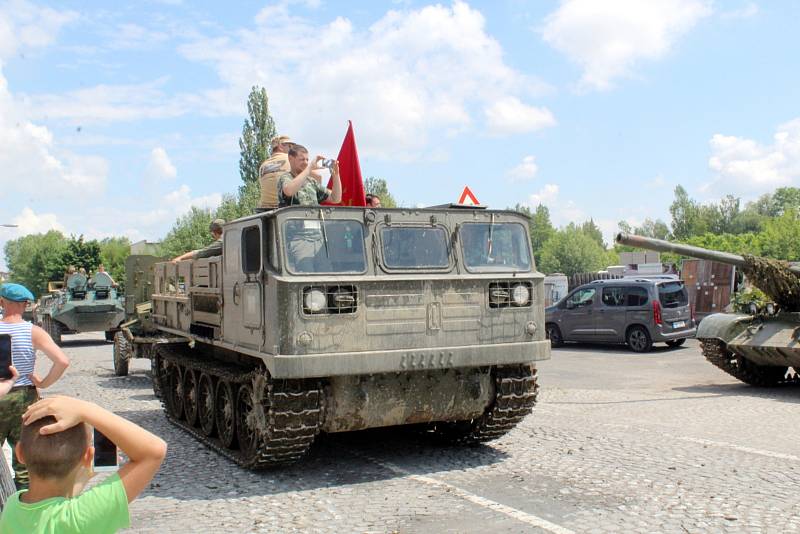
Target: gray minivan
column 637, row 312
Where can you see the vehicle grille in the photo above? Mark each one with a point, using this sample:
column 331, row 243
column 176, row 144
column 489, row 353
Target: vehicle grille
column 500, row 294
column 339, row 299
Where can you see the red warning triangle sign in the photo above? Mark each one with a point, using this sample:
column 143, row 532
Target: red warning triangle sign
column 467, row 198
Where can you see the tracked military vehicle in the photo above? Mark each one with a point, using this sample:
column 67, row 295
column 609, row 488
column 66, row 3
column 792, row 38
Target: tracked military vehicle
column 320, row 319
column 81, row 305
column 759, row 348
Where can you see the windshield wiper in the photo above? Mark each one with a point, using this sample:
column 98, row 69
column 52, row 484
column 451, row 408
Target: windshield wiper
column 324, row 234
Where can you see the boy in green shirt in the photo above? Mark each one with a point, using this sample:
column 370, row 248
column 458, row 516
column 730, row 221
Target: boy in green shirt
column 55, row 444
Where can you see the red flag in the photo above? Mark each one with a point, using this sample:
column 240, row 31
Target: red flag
column 350, row 172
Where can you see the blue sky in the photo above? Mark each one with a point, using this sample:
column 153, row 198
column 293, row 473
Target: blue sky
column 115, row 120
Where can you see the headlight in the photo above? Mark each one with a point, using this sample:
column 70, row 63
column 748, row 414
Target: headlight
column 771, row 308
column 753, row 309
column 520, row 295
column 315, row 300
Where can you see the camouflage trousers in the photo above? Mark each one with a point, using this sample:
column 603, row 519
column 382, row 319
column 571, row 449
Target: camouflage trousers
column 12, row 406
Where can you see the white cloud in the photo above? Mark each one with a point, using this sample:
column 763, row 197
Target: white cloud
column 657, row 182
column 745, row 12
column 25, row 26
column 31, row 161
column 607, row 39
column 29, row 222
column 411, row 73
column 160, row 167
column 546, row 195
column 130, row 36
column 508, row 116
column 526, row 170
column 106, row 103
column 746, row 166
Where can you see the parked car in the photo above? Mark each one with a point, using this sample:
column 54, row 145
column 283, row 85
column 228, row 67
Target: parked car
column 637, row 312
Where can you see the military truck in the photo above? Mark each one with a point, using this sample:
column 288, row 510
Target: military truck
column 323, row 319
column 759, row 347
column 81, row 305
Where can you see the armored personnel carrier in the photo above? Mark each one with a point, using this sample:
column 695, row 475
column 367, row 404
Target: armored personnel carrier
column 759, row 348
column 321, row 319
column 80, row 305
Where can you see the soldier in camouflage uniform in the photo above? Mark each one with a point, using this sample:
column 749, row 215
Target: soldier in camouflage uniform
column 300, row 186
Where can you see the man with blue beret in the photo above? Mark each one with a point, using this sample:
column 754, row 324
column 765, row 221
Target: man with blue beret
column 26, row 339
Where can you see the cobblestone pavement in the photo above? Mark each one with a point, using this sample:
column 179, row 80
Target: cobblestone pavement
column 620, row 442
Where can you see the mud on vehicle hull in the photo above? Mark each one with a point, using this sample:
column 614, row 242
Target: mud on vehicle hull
column 258, row 421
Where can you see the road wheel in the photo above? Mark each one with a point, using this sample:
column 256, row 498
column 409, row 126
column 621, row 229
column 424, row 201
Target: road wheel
column 246, row 431
column 205, row 404
column 158, row 373
column 639, row 339
column 190, row 396
column 225, row 416
column 121, row 354
column 676, row 342
column 553, row 333
column 174, row 392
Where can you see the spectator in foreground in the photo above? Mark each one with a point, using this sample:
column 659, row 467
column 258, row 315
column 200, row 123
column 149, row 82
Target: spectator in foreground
column 56, row 446
column 26, row 339
column 5, row 385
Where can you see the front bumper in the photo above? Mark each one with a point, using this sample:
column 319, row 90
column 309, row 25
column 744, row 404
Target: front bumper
column 404, row 360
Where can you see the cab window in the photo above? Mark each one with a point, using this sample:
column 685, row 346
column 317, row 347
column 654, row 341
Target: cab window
column 412, row 247
column 313, row 246
column 495, row 247
column 581, row 298
column 636, row 296
column 614, row 296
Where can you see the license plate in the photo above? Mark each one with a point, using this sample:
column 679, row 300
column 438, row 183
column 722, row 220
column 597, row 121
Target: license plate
column 679, row 324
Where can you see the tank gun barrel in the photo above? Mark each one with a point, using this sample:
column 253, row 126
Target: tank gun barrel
column 688, row 250
column 685, row 250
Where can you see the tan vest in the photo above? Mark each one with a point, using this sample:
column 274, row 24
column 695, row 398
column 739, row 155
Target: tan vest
column 268, row 173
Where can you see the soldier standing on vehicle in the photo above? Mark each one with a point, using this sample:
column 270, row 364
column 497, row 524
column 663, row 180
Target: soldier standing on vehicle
column 214, row 249
column 26, row 339
column 272, row 169
column 300, row 186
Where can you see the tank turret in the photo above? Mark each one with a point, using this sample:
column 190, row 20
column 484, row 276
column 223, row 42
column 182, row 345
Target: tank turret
column 776, row 278
column 759, row 349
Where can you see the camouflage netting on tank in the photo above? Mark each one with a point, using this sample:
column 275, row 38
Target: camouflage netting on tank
column 774, row 278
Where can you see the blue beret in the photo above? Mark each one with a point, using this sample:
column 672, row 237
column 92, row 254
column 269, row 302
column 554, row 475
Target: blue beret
column 16, row 293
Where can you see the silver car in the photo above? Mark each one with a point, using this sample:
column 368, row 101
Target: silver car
column 637, row 312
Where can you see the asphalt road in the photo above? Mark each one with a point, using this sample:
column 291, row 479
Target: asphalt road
column 619, row 442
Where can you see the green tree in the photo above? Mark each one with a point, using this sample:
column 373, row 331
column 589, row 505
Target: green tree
column 687, row 219
column 592, row 230
column 257, row 132
column 781, row 237
column 113, row 253
column 570, row 251
column 540, row 228
column 378, row 186
column 190, row 232
column 36, row 259
column 82, row 254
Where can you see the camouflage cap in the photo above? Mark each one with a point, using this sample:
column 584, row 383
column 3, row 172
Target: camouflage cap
column 279, row 139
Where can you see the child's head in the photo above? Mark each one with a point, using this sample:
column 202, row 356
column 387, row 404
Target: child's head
column 53, row 456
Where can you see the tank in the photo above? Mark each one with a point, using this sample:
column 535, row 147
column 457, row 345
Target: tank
column 81, row 305
column 759, row 348
column 325, row 320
